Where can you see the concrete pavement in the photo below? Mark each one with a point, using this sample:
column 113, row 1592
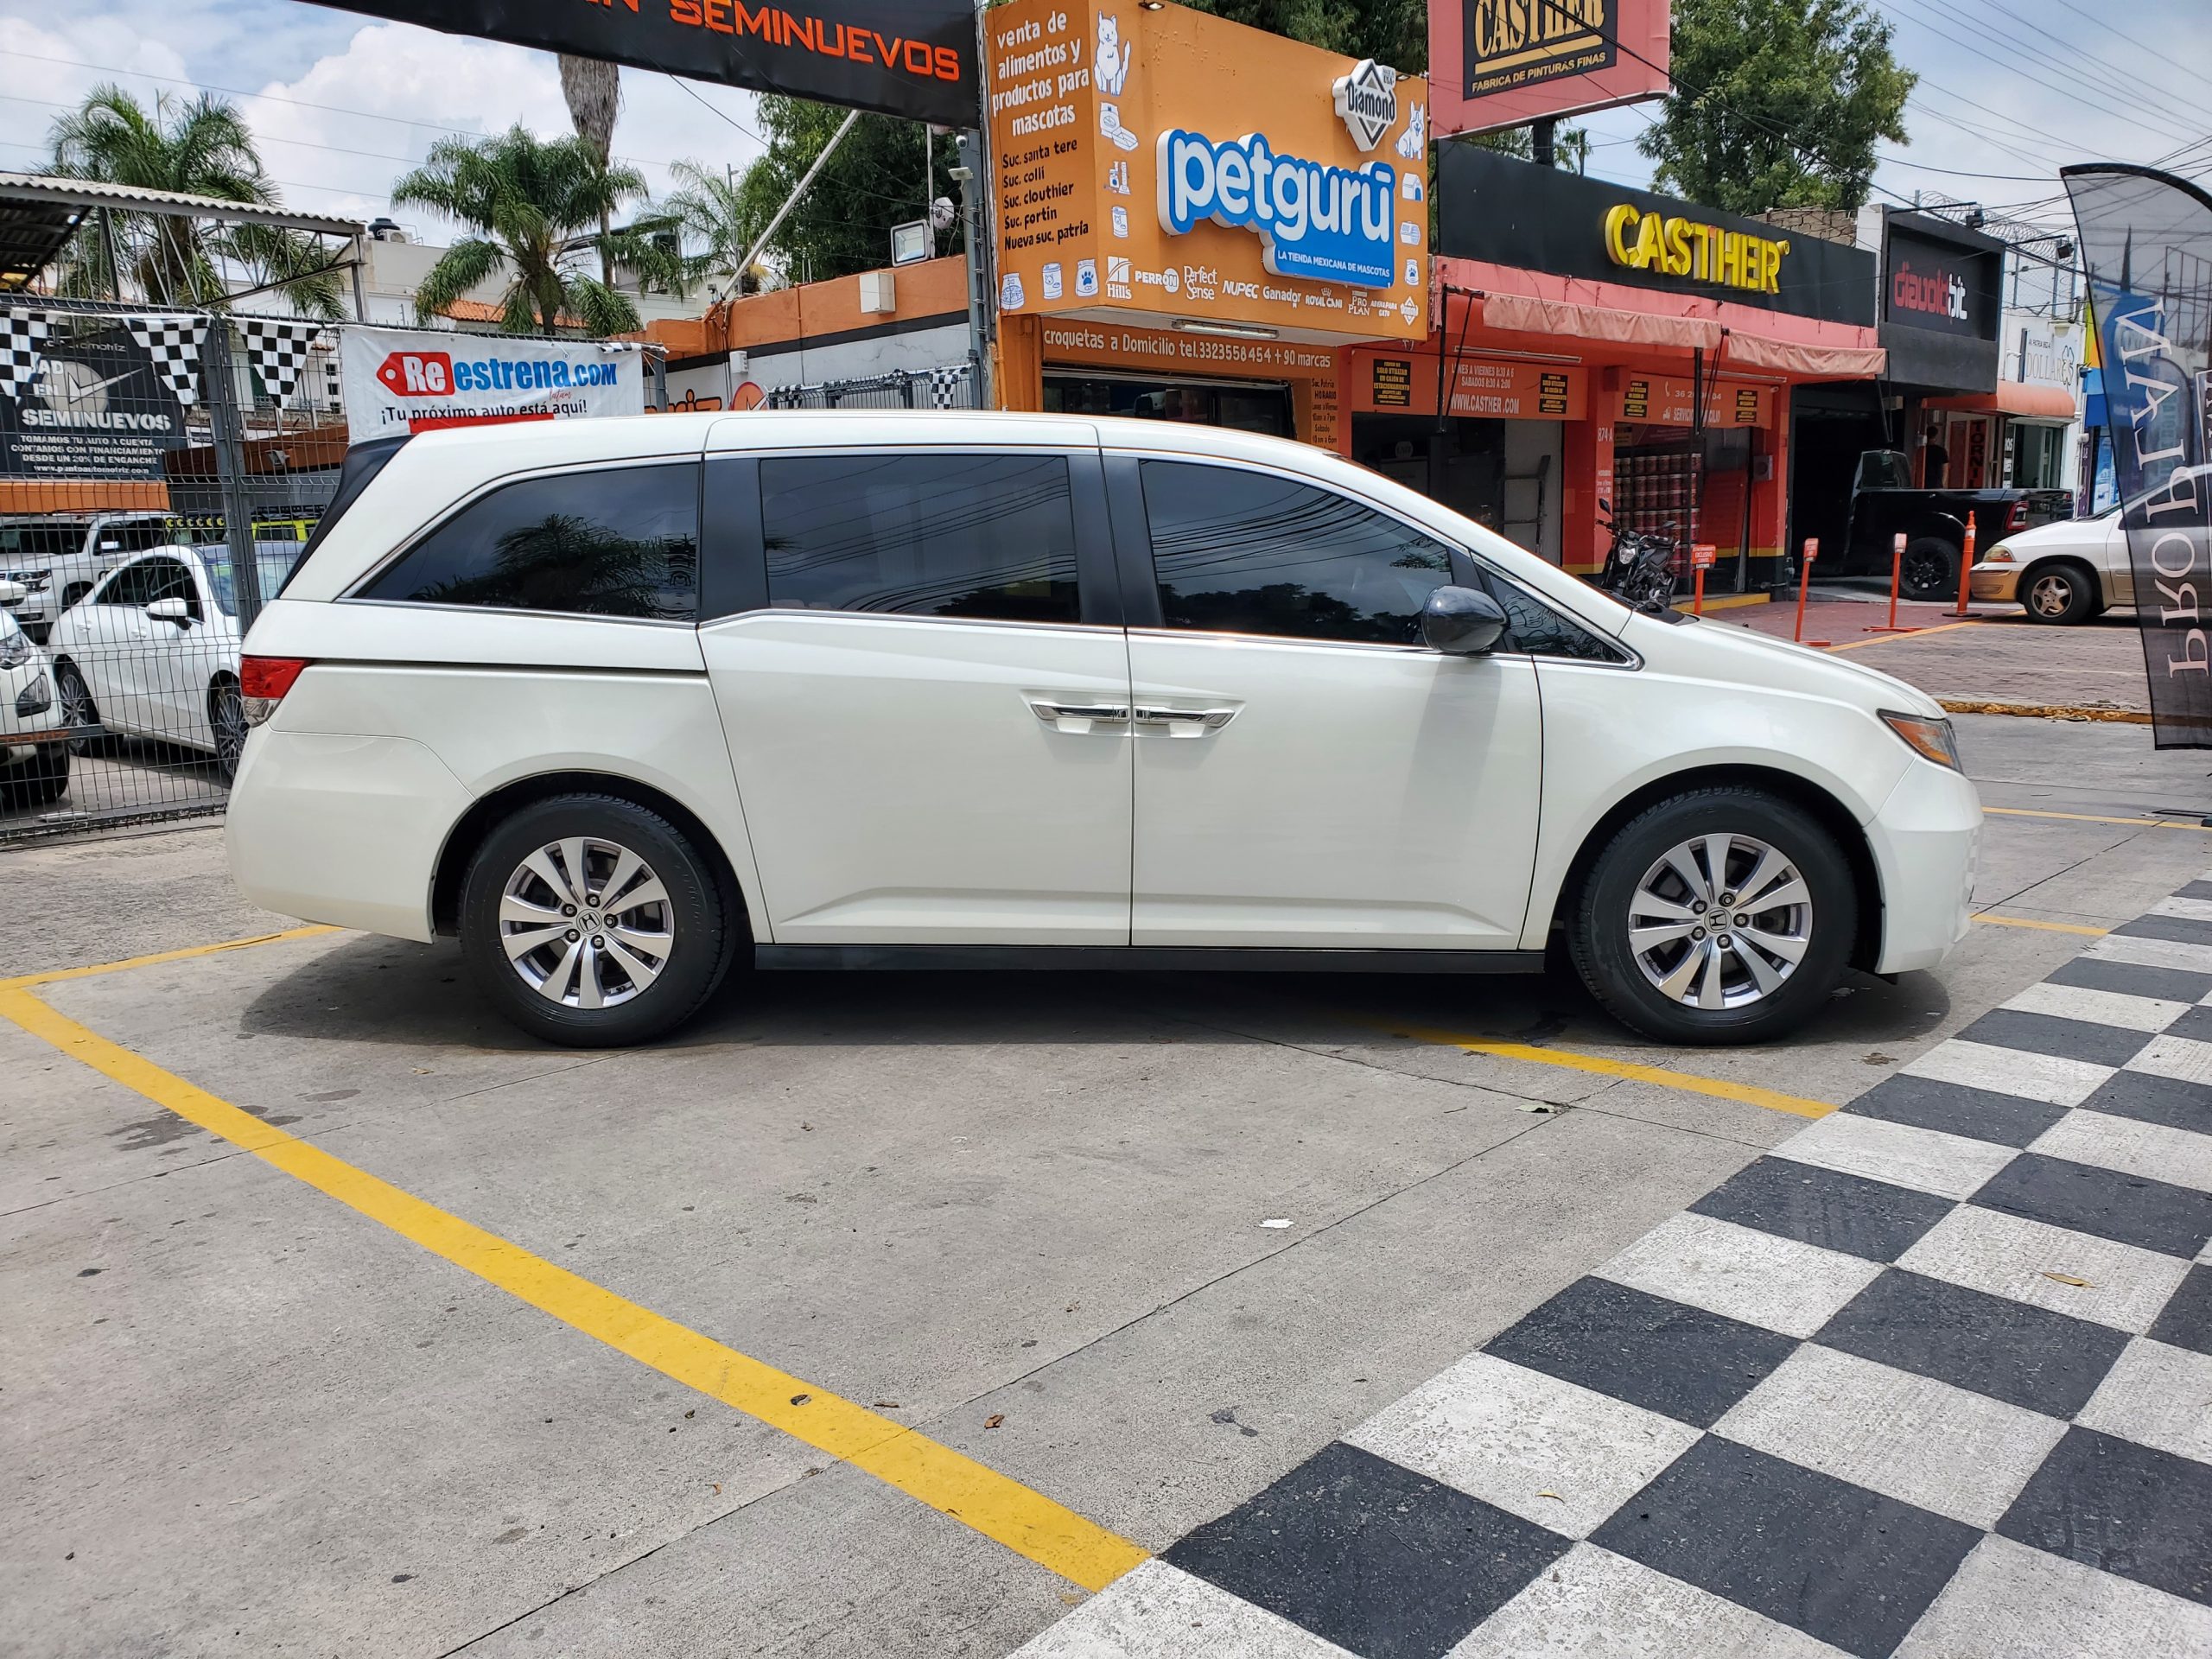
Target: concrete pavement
column 240, row 1417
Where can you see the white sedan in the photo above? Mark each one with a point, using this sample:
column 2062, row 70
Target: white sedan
column 33, row 762
column 153, row 651
column 2068, row 571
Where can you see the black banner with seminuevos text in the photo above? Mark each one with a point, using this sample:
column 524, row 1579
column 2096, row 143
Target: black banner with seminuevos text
column 911, row 58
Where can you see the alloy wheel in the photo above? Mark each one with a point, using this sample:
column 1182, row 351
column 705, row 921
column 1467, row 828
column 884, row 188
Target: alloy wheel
column 77, row 710
column 586, row 923
column 2050, row 594
column 1720, row 922
column 229, row 721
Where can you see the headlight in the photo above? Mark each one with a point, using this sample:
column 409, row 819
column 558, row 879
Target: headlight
column 1932, row 740
column 1999, row 554
column 15, row 649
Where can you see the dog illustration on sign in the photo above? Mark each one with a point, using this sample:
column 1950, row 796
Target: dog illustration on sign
column 1111, row 67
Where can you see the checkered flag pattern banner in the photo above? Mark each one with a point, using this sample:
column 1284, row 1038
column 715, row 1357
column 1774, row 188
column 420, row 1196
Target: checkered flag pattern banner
column 173, row 340
column 278, row 349
column 1928, row 1380
column 945, row 387
column 23, row 335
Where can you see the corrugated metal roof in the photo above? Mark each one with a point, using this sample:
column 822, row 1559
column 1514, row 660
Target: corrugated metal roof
column 93, row 192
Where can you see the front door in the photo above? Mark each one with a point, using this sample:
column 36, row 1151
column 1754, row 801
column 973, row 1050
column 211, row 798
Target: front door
column 930, row 728
column 1307, row 773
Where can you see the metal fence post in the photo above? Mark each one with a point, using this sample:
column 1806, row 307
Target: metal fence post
column 230, row 467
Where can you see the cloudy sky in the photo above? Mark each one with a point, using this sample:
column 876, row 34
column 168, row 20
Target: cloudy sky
column 2011, row 89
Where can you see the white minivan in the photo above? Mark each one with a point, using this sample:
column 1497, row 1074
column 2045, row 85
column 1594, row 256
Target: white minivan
column 621, row 700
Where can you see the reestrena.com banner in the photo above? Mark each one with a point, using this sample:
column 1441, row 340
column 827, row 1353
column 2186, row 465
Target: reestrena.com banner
column 399, row 380
column 913, row 57
column 2146, row 243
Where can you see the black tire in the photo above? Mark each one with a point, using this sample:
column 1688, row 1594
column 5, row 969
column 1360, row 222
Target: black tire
column 1598, row 930
column 227, row 720
column 700, row 925
column 1930, row 569
column 2059, row 593
column 37, row 782
column 78, row 708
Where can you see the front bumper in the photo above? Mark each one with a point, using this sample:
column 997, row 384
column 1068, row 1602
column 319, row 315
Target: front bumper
column 1998, row 583
column 1927, row 843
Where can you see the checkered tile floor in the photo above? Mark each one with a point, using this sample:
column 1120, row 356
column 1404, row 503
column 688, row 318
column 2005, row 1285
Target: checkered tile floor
column 1934, row 1379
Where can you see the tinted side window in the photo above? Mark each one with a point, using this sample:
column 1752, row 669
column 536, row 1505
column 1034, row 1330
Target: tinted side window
column 620, row 542
column 129, row 585
column 929, row 534
column 1245, row 552
column 1535, row 627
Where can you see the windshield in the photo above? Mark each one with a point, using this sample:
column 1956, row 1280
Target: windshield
column 273, row 562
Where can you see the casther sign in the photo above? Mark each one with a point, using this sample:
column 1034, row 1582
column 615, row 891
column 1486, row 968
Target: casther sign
column 913, row 57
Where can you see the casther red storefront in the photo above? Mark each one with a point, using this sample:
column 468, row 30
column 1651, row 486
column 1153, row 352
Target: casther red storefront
column 1598, row 342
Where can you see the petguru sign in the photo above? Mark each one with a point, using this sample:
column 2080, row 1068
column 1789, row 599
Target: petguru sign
column 400, row 381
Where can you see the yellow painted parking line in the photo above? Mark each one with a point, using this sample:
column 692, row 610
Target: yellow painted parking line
column 24, row 982
column 2047, row 927
column 1749, row 1094
column 2091, row 817
column 1000, row 1509
column 1887, row 638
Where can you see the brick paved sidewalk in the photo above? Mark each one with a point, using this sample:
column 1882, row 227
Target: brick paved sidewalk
column 1999, row 658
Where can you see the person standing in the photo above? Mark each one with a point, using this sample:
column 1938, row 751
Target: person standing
column 1935, row 460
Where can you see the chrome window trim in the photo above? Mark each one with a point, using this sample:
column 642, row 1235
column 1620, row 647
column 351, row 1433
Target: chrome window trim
column 910, row 616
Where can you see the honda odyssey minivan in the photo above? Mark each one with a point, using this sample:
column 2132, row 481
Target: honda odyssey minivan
column 622, row 702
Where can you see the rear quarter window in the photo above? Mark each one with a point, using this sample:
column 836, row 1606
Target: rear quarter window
column 614, row 542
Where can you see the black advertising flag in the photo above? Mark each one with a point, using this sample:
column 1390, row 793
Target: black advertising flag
column 2147, row 243
column 913, row 57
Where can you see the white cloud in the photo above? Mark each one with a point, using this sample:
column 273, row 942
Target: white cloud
column 340, row 107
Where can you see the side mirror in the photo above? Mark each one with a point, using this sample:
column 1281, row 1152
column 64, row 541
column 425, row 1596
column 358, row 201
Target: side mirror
column 170, row 610
column 1461, row 622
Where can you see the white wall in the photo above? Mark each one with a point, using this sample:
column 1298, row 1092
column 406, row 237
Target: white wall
column 858, row 359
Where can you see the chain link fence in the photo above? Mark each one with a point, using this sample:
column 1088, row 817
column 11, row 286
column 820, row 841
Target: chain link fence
column 161, row 473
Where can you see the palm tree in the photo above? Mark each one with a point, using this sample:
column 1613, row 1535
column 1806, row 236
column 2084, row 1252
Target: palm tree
column 202, row 147
column 534, row 205
column 592, row 89
column 714, row 210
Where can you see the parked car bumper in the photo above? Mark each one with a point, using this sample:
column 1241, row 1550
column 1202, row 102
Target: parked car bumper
column 1998, row 583
column 341, row 830
column 1927, row 842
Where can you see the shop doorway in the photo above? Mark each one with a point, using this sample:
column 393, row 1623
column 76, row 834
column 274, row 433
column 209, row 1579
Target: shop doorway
column 1249, row 406
column 1503, row 474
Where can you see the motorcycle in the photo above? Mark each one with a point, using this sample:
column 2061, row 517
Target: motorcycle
column 1639, row 570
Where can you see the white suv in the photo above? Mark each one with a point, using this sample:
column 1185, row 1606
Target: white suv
column 617, row 699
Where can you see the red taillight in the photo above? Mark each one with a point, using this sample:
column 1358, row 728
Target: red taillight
column 269, row 677
column 262, row 682
column 2018, row 519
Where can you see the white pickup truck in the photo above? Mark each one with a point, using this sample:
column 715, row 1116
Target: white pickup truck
column 58, row 561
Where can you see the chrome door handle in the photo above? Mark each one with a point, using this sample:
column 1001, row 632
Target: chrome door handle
column 1184, row 722
column 1099, row 714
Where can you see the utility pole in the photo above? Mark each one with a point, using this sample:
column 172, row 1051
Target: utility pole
column 970, row 148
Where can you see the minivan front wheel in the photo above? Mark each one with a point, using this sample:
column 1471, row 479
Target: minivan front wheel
column 592, row 922
column 1723, row 915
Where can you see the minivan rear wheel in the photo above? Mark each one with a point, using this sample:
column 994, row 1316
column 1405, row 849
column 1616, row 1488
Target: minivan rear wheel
column 1723, row 915
column 592, row 922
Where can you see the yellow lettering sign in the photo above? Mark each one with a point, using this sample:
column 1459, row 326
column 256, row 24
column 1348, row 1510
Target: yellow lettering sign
column 1704, row 253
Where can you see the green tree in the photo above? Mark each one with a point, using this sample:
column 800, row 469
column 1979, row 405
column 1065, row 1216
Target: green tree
column 1778, row 103
column 203, row 147
column 534, row 206
column 1392, row 32
column 874, row 181
column 718, row 221
column 592, row 88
